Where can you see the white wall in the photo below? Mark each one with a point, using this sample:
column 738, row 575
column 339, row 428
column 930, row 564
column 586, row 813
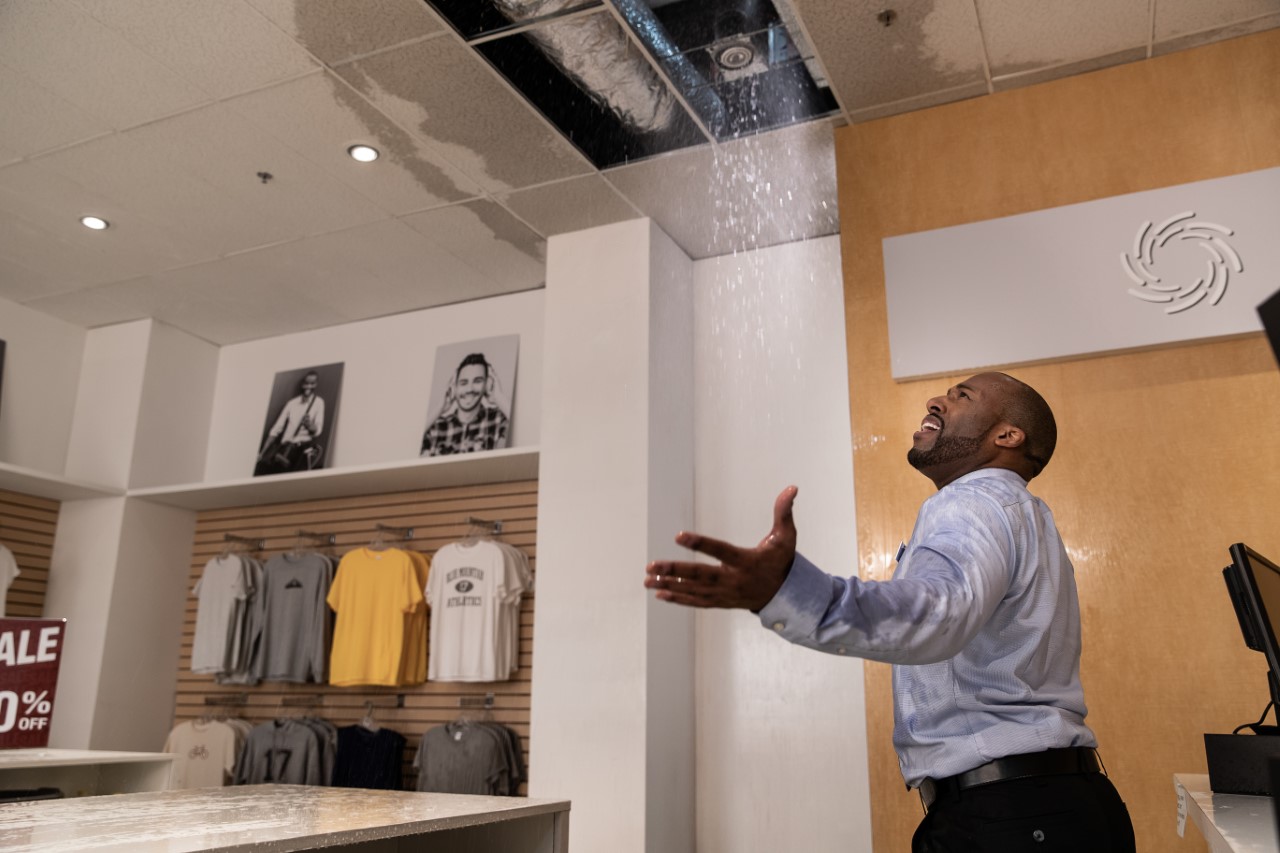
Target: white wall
column 81, row 575
column 38, row 392
column 385, row 383
column 107, row 403
column 612, row 474
column 143, row 639
column 781, row 737
column 176, row 403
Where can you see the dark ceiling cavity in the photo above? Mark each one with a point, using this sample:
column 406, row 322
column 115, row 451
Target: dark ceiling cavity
column 633, row 78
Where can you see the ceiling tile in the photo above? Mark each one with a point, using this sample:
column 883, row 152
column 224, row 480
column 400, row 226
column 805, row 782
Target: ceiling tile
column 338, row 30
column 320, row 116
column 1056, row 72
column 1022, row 36
column 64, row 50
column 1230, row 31
column 449, row 97
column 761, row 191
column 198, row 171
column 222, row 47
column 488, row 239
column 929, row 46
column 374, row 270
column 19, row 283
column 105, row 305
column 570, row 205
column 40, row 230
column 1182, row 17
column 36, row 119
column 221, row 302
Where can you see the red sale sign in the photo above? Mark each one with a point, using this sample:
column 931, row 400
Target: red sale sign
column 30, row 650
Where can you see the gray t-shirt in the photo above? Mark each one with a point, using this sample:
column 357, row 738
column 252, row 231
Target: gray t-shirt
column 222, row 585
column 459, row 758
column 282, row 751
column 294, row 618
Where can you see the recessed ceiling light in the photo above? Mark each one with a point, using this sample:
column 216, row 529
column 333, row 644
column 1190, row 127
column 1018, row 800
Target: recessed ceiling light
column 363, row 153
column 94, row 222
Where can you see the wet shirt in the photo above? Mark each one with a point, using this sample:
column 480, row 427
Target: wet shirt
column 981, row 621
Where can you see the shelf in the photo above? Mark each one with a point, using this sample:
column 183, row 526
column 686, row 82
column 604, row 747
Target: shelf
column 40, row 484
column 494, row 466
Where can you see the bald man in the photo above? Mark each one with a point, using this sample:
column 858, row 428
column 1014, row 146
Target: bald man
column 981, row 622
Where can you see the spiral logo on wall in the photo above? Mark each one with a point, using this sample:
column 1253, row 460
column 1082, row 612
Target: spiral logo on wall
column 1189, row 290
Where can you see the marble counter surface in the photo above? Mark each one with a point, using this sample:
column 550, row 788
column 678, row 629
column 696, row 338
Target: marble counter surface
column 257, row 818
column 1230, row 823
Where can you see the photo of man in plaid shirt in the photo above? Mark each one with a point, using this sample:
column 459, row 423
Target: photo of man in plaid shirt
column 469, row 420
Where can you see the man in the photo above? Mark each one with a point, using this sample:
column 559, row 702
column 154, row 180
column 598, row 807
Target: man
column 469, row 419
column 292, row 444
column 980, row 620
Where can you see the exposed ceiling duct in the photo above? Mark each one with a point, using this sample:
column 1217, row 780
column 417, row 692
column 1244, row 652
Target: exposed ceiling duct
column 714, row 70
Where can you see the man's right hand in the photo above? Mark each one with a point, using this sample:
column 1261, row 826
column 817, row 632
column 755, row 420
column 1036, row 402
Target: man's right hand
column 746, row 578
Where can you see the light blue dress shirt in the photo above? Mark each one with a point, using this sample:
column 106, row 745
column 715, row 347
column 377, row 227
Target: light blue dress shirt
column 980, row 620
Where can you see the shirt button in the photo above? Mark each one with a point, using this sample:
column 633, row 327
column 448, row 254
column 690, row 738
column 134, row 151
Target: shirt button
column 778, row 626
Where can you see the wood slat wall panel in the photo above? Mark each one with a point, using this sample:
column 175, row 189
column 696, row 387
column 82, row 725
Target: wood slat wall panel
column 27, row 527
column 438, row 516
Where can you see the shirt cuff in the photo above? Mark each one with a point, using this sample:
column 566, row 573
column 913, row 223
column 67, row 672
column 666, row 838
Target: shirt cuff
column 800, row 603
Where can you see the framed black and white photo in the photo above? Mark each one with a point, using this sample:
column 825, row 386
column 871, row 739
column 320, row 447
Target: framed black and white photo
column 472, row 388
column 298, row 431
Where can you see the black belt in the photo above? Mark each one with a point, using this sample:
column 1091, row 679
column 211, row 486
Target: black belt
column 1051, row 762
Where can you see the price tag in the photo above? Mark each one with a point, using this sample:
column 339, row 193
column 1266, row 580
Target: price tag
column 30, row 652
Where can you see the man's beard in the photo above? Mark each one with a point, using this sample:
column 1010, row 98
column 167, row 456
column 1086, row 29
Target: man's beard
column 946, row 449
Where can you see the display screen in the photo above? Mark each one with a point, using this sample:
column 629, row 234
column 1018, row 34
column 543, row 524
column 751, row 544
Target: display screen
column 1254, row 584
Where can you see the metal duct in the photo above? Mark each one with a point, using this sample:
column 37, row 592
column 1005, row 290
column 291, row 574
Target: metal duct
column 596, row 54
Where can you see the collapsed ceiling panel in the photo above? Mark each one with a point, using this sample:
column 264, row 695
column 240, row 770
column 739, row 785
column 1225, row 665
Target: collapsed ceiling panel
column 638, row 78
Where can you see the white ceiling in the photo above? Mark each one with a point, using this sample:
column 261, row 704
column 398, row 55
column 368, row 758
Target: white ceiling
column 158, row 115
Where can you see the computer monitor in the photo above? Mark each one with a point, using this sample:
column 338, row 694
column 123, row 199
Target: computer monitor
column 1253, row 582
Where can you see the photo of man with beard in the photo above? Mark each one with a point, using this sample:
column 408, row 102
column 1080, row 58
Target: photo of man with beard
column 470, row 419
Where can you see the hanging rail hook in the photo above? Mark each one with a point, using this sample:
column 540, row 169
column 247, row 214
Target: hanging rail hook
column 406, row 533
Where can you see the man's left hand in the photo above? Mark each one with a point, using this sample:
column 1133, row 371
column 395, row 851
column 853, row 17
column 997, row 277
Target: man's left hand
column 746, row 578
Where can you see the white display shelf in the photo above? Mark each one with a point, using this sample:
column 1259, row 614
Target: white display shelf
column 85, row 772
column 494, row 466
column 40, row 484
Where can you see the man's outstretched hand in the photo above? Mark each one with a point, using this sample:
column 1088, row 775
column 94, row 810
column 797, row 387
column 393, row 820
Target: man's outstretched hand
column 745, row 577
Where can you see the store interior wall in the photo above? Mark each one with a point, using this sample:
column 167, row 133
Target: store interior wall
column 38, row 395
column 386, row 380
column 777, row 723
column 1155, row 474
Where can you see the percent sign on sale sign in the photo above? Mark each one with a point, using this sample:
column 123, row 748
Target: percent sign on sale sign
column 30, row 650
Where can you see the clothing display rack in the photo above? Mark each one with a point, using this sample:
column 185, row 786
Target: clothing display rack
column 423, row 520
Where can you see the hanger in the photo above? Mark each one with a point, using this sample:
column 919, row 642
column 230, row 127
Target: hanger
column 382, row 542
column 367, row 722
column 480, row 529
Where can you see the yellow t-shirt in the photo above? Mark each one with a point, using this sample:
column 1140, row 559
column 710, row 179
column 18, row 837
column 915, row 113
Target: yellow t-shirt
column 372, row 594
column 413, row 668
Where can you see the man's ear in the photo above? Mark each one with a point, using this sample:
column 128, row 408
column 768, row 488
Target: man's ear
column 1010, row 436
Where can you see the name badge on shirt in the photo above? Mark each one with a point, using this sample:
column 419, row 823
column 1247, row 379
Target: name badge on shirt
column 902, row 549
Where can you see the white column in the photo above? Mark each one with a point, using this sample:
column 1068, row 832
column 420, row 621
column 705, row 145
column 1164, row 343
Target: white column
column 781, row 737
column 612, row 721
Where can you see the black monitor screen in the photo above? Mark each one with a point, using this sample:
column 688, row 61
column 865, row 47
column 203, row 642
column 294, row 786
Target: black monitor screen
column 1254, row 584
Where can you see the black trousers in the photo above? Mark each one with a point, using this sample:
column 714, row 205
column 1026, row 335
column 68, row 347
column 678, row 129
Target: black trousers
column 1039, row 814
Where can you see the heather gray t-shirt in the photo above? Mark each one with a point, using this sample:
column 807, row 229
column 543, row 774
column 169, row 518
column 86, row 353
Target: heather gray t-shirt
column 294, row 645
column 458, row 758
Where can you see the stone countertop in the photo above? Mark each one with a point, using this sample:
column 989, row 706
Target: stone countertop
column 247, row 819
